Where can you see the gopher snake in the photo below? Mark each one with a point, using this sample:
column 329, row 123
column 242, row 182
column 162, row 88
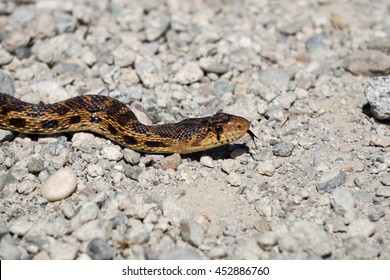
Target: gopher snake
column 114, row 120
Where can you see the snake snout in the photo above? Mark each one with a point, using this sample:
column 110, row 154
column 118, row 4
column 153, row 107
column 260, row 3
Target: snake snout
column 241, row 125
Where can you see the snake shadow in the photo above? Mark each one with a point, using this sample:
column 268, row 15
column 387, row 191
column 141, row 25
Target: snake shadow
column 222, row 152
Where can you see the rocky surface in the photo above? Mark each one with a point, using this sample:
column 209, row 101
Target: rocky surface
column 315, row 186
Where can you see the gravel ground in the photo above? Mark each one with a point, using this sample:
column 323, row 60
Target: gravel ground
column 315, row 186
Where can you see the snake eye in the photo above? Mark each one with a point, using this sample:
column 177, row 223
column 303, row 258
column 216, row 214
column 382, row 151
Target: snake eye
column 218, row 129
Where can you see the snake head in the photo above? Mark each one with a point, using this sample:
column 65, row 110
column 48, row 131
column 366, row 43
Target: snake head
column 222, row 129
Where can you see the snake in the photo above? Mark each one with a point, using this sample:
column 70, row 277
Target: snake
column 116, row 121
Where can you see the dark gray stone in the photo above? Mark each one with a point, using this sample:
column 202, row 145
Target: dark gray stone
column 35, row 165
column 376, row 215
column 98, row 249
column 331, row 180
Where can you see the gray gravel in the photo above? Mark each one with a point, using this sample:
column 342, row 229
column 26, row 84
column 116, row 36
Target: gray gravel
column 315, row 185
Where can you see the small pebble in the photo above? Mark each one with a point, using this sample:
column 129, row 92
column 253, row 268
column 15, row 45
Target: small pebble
column 343, row 199
column 312, row 238
column 361, row 227
column 133, row 172
column 262, row 225
column 5, row 57
column 20, row 226
column 98, row 249
column 385, row 180
column 58, row 228
column 275, row 112
column 230, row 165
column 95, row 170
column 6, row 84
column 211, row 66
column 222, row 86
column 87, row 212
column 383, row 191
column 283, row 149
column 316, row 47
column 380, row 141
column 331, row 179
column 35, row 165
column 149, row 73
column 189, row 73
column 24, row 74
column 286, row 99
column 367, row 63
column 192, row 232
column 131, row 157
column 276, row 77
column 93, row 229
column 155, row 24
column 267, row 241
column 234, row 180
column 230, row 230
column 266, row 168
column 137, row 233
column 172, row 211
column 171, row 162
column 207, row 161
column 65, row 23
column 8, row 248
column 6, row 135
column 346, row 148
column 123, row 56
column 60, row 250
column 360, row 181
column 89, row 58
column 59, row 185
column 376, row 216
column 237, row 153
column 112, row 153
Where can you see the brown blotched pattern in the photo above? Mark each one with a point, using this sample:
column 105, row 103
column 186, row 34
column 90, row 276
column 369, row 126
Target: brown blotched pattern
column 116, row 121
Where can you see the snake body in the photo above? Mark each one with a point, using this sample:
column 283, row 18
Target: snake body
column 114, row 120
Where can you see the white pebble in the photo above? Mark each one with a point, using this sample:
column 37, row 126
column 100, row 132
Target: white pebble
column 189, row 74
column 266, row 168
column 59, row 185
column 95, row 170
column 89, row 58
column 207, row 161
column 112, row 153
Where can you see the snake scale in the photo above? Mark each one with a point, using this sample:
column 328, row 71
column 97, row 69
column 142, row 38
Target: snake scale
column 114, row 120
